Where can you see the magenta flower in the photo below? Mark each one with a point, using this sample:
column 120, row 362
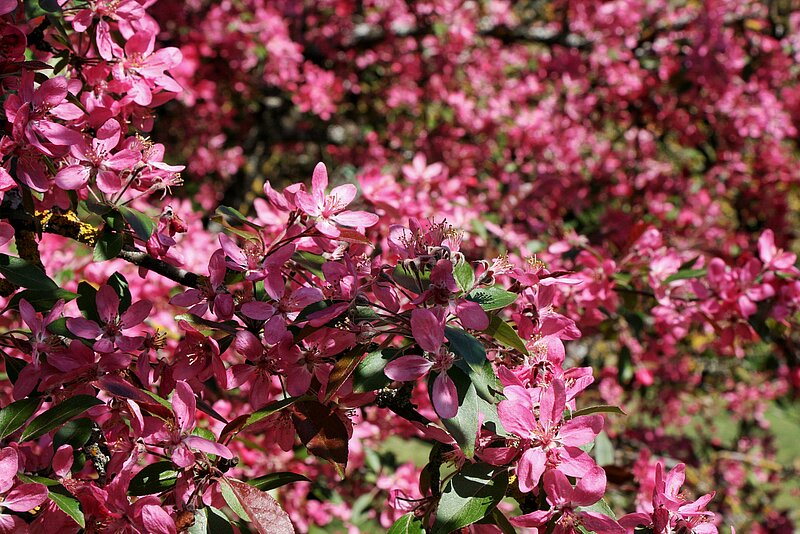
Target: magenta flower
column 179, row 439
column 212, row 296
column 19, row 497
column 564, row 499
column 112, row 327
column 441, row 292
column 670, row 510
column 96, row 160
column 549, row 442
column 254, row 261
column 140, row 72
column 427, row 328
column 329, row 210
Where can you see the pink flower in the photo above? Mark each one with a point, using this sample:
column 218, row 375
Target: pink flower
column 140, row 72
column 330, row 209
column 112, row 327
column 549, row 442
column 670, row 510
column 258, row 264
column 179, row 439
column 428, row 329
column 212, row 296
column 16, row 497
column 440, row 292
column 564, row 499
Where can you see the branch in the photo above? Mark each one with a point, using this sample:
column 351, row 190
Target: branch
column 176, row 274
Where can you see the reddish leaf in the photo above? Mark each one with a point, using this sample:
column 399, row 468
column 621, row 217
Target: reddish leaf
column 265, row 513
column 344, row 368
column 116, row 386
column 322, row 431
column 353, row 236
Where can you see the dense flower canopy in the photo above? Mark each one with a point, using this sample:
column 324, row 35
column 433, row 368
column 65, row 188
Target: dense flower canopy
column 545, row 279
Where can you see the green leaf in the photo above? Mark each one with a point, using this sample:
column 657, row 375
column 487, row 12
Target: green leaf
column 87, row 301
column 141, row 224
column 369, row 375
column 218, row 523
column 603, row 450
column 200, row 525
column 407, row 278
column 276, row 480
column 58, row 415
column 473, row 362
column 312, row 262
column 21, row 273
column 120, row 284
column 234, row 216
column 505, row 334
column 231, row 500
column 42, row 300
column 601, row 507
column 600, row 408
column 16, row 414
column 492, row 298
column 469, row 496
column 407, row 524
column 499, row 519
column 69, row 505
column 464, row 275
column 14, row 367
column 154, row 478
column 76, row 433
column 685, row 274
column 464, row 426
column 108, row 246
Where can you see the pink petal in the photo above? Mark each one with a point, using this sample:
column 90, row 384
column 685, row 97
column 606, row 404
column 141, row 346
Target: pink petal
column 260, row 311
column 108, row 182
column 356, row 219
column 534, row 519
column 590, row 488
column 107, row 303
column 72, row 177
column 559, row 490
column 445, row 396
column 319, row 182
column 138, row 312
column 307, row 204
column 25, row 497
column 9, row 465
column 601, row 523
column 581, row 430
column 472, row 315
column 530, row 469
column 83, row 327
column 575, row 462
column 428, row 331
column 207, row 446
column 62, row 461
column 327, row 229
column 156, row 520
column 517, row 417
column 248, row 345
column 184, row 405
column 342, row 195
column 407, row 368
column 232, row 250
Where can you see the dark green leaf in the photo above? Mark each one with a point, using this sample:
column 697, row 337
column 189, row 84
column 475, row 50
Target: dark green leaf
column 505, row 334
column 600, row 408
column 492, row 298
column 276, row 480
column 51, row 6
column 14, row 367
column 141, row 224
column 464, row 275
column 16, row 414
column 58, row 415
column 87, row 301
column 464, row 426
column 21, row 273
column 234, row 216
column 108, row 246
column 120, row 284
column 218, row 523
column 499, row 519
column 410, row 278
column 407, row 524
column 76, row 433
column 686, row 274
column 42, row 300
column 312, row 262
column 369, row 375
column 469, row 496
column 154, row 478
column 473, row 362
